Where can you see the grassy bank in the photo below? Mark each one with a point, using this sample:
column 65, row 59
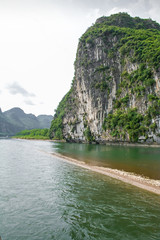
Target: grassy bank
column 33, row 134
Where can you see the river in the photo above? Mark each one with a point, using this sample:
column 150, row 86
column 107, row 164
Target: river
column 43, row 197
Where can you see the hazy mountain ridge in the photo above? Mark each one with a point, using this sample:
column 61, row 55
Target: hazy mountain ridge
column 15, row 120
column 115, row 93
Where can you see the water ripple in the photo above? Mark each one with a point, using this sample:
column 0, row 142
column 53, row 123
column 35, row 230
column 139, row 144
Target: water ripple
column 42, row 197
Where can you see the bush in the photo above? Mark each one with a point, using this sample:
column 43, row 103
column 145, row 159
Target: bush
column 33, row 134
column 129, row 121
column 56, row 129
column 101, row 85
column 88, row 135
column 152, row 97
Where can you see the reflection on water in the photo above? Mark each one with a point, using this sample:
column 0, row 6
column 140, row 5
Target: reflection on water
column 42, row 197
column 140, row 160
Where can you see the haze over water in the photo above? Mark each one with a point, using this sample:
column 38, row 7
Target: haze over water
column 43, row 197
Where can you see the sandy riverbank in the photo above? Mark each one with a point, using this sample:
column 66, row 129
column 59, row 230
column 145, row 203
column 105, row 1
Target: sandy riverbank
column 130, row 178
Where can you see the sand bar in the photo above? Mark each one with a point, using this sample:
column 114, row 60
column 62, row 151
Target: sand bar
column 150, row 185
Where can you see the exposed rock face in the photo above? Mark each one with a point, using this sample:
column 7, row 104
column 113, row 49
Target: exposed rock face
column 116, row 87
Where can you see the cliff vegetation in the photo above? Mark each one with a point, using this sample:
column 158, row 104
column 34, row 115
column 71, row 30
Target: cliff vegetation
column 115, row 93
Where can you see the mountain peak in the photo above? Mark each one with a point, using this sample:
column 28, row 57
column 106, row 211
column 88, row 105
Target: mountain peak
column 123, row 19
column 16, row 120
column 115, row 95
column 15, row 110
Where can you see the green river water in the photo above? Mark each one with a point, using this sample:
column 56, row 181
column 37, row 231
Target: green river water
column 45, row 198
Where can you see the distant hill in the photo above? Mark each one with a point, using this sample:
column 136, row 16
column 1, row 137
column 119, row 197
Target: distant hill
column 15, row 120
column 45, row 120
column 5, row 126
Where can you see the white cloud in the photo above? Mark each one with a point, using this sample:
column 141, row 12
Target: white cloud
column 154, row 10
column 15, row 88
column 38, row 45
column 94, row 14
column 117, row 10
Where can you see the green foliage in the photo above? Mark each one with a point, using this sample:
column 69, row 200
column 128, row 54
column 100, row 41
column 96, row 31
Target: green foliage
column 117, row 104
column 125, row 20
column 131, row 122
column 88, row 135
column 122, row 122
column 152, row 97
column 101, row 85
column 124, row 74
column 115, row 25
column 111, row 53
column 137, row 41
column 90, row 41
column 33, row 134
column 101, row 68
column 123, row 84
column 56, row 129
column 119, row 91
column 138, row 81
column 138, row 38
column 143, row 75
column 144, row 44
column 125, row 100
column 139, row 90
column 153, row 126
column 154, row 110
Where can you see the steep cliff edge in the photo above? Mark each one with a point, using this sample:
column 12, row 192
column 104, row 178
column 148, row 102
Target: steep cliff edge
column 115, row 93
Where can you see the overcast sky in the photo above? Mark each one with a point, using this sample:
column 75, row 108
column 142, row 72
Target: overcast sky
column 38, row 42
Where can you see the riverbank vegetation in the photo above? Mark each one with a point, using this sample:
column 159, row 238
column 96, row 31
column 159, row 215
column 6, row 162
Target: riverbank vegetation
column 33, row 134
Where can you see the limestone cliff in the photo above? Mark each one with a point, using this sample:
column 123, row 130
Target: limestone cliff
column 115, row 93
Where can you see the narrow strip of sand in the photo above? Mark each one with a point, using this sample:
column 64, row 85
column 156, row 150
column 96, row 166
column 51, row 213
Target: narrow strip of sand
column 130, row 178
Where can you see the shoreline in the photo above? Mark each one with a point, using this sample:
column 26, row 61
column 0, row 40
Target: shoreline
column 133, row 179
column 147, row 184
column 107, row 143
